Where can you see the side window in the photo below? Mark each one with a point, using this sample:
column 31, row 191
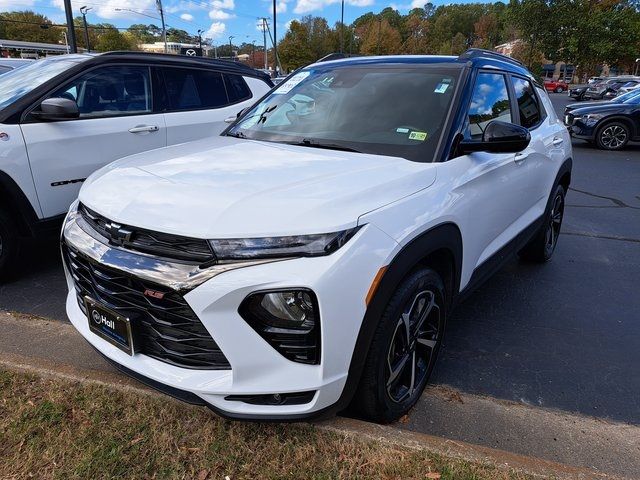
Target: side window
column 110, row 91
column 192, row 89
column 528, row 105
column 237, row 88
column 490, row 101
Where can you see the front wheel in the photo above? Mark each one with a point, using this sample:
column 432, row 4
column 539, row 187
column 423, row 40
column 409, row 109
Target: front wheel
column 404, row 348
column 613, row 136
column 558, row 90
column 543, row 244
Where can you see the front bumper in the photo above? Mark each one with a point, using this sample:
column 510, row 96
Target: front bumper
column 340, row 281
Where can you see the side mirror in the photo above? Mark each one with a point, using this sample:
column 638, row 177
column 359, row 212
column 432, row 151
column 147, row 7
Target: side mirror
column 57, row 108
column 499, row 137
column 232, row 119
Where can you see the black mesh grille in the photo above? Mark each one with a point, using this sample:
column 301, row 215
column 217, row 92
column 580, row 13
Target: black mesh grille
column 160, row 244
column 163, row 328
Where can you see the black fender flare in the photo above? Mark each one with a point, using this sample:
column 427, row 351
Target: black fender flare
column 445, row 236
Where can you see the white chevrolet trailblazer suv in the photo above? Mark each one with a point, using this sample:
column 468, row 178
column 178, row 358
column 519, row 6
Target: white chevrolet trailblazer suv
column 64, row 117
column 307, row 259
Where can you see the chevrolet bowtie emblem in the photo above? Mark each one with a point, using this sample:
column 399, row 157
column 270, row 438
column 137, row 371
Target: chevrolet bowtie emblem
column 117, row 234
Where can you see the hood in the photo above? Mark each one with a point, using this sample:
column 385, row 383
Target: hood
column 605, row 107
column 227, row 188
column 574, row 106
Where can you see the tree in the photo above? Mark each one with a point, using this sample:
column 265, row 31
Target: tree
column 145, row 33
column 306, row 41
column 29, row 26
column 378, row 37
column 112, row 40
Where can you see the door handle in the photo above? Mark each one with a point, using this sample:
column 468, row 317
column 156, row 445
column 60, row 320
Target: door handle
column 144, row 129
column 520, row 157
column 557, row 141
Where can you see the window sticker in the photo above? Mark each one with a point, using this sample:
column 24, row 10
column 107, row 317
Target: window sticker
column 441, row 88
column 421, row 136
column 287, row 86
column 402, row 130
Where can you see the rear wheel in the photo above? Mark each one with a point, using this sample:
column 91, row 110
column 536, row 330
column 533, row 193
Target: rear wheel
column 404, row 348
column 613, row 136
column 541, row 247
column 558, row 89
column 8, row 245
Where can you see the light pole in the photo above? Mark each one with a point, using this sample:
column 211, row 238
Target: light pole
column 230, row 47
column 83, row 11
column 342, row 27
column 200, row 32
column 637, row 63
column 275, row 36
column 66, row 41
column 164, row 27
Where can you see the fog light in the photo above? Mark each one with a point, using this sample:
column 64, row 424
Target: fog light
column 288, row 320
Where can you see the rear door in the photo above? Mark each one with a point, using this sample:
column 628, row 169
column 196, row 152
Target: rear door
column 199, row 100
column 116, row 119
column 545, row 152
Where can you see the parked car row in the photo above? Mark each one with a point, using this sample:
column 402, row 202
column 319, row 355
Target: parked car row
column 611, row 125
column 600, row 88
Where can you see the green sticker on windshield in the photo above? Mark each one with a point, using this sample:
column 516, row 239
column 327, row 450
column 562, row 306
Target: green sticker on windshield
column 421, row 136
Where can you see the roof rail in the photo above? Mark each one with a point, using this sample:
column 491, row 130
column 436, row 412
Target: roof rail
column 335, row 56
column 481, row 52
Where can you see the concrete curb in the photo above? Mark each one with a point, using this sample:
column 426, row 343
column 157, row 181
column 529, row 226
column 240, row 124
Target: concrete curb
column 340, row 425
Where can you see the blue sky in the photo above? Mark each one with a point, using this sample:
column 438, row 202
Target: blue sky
column 218, row 18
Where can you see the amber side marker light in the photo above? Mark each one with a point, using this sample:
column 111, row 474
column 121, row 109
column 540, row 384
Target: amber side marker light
column 375, row 283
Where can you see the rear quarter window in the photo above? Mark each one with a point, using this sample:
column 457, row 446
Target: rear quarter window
column 237, row 88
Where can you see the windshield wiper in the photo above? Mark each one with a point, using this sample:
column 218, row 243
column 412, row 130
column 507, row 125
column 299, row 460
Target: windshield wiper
column 236, row 135
column 306, row 142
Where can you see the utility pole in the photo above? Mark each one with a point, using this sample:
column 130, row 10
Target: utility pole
column 275, row 37
column 230, row 48
column 200, row 32
column 83, row 11
column 264, row 37
column 342, row 28
column 164, row 27
column 275, row 52
column 70, row 27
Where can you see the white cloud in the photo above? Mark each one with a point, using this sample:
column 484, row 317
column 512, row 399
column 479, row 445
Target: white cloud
column 216, row 30
column 287, row 25
column 187, row 17
column 185, row 5
column 306, row 6
column 281, row 6
column 223, row 4
column 217, row 14
column 15, row 4
column 109, row 8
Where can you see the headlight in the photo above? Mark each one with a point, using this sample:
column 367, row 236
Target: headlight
column 281, row 247
column 591, row 119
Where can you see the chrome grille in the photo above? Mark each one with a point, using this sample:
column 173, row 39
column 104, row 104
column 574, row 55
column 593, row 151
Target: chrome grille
column 164, row 325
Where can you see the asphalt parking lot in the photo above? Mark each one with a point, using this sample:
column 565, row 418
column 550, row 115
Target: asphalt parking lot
column 564, row 335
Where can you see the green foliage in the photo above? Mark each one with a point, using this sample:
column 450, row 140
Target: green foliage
column 112, row 40
column 29, row 26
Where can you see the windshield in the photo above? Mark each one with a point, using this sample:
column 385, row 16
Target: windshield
column 386, row 110
column 17, row 83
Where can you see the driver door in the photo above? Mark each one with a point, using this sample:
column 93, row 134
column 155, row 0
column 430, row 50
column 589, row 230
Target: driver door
column 116, row 119
column 492, row 186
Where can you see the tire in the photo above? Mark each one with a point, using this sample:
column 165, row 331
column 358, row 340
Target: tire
column 541, row 247
column 9, row 245
column 613, row 136
column 418, row 304
column 559, row 90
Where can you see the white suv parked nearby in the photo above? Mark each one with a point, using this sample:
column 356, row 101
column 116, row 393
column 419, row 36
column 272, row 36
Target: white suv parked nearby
column 64, row 117
column 308, row 258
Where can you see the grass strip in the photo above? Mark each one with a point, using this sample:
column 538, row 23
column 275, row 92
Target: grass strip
column 57, row 429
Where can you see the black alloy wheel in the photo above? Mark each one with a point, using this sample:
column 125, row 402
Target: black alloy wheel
column 554, row 222
column 404, row 349
column 613, row 136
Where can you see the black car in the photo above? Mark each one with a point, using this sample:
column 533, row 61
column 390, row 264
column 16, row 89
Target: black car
column 620, row 99
column 578, row 92
column 611, row 125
